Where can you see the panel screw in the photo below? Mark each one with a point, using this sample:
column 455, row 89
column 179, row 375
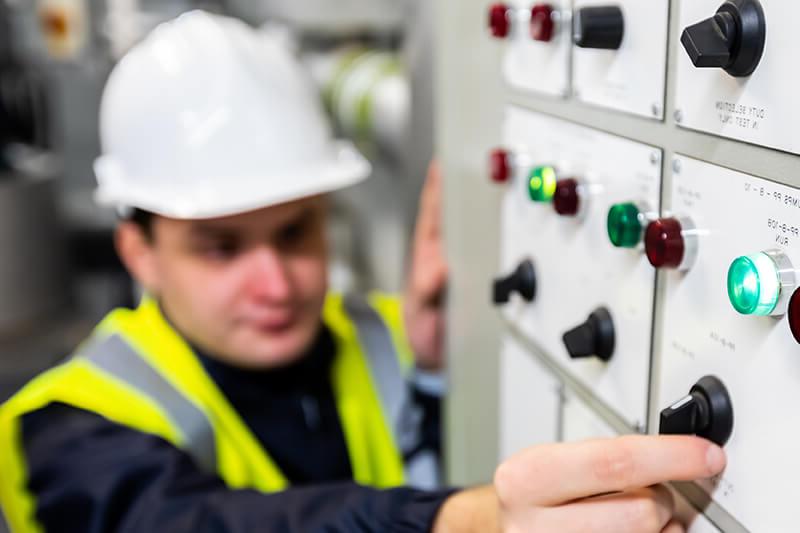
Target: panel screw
column 656, row 109
column 676, row 166
column 678, row 116
column 655, row 157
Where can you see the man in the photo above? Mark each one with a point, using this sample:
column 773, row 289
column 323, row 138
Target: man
column 239, row 376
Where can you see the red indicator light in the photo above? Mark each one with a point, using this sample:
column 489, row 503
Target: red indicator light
column 542, row 26
column 499, row 22
column 794, row 315
column 664, row 243
column 567, row 197
column 500, row 165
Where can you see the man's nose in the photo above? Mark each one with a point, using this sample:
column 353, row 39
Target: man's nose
column 268, row 275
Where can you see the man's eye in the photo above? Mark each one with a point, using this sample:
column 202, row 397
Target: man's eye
column 292, row 233
column 221, row 250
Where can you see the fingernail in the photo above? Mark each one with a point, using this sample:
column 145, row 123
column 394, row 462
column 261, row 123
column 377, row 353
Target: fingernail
column 715, row 459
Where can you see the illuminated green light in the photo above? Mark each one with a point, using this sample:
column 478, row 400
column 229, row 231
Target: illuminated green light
column 754, row 285
column 542, row 184
column 624, row 225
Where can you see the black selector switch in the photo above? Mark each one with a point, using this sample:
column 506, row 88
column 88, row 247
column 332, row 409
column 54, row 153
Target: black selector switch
column 733, row 39
column 706, row 412
column 521, row 281
column 593, row 338
column 598, row 27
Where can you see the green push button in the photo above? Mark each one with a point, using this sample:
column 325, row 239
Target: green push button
column 542, row 184
column 754, row 284
column 624, row 225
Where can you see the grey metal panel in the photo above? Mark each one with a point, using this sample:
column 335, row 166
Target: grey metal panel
column 469, row 105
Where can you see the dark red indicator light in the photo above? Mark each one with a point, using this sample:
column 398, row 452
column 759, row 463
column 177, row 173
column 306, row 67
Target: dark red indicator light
column 567, row 197
column 664, row 243
column 499, row 23
column 542, row 26
column 499, row 165
column 794, row 315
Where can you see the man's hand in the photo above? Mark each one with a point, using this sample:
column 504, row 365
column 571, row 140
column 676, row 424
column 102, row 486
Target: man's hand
column 423, row 306
column 599, row 486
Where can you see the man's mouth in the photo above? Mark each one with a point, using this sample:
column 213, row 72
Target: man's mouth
column 277, row 324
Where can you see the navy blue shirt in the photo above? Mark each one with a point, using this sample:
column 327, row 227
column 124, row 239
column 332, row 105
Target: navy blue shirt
column 91, row 475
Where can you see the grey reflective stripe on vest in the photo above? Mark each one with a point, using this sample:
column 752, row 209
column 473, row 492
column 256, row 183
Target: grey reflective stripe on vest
column 404, row 416
column 116, row 357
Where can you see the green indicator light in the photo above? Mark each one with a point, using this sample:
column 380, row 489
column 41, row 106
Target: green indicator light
column 754, row 285
column 624, row 226
column 542, row 184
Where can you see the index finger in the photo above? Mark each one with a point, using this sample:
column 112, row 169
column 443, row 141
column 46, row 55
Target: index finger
column 559, row 473
column 431, row 198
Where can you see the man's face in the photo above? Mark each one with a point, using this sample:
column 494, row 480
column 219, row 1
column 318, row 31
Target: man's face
column 249, row 288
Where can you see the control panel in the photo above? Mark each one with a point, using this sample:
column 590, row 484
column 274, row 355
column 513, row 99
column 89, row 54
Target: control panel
column 732, row 74
column 530, row 404
column 537, row 37
column 728, row 355
column 575, row 275
column 647, row 238
column 620, row 54
column 581, row 422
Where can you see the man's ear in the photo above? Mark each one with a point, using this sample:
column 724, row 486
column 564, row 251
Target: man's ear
column 137, row 252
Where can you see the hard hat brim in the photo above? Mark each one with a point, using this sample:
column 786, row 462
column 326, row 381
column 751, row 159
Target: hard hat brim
column 345, row 168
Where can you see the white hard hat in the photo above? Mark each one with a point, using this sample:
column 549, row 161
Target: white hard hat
column 207, row 117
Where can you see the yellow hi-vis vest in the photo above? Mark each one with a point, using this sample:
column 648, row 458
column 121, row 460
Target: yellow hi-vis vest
column 137, row 371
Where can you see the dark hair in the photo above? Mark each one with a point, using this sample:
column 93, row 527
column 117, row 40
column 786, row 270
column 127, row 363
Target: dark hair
column 143, row 219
